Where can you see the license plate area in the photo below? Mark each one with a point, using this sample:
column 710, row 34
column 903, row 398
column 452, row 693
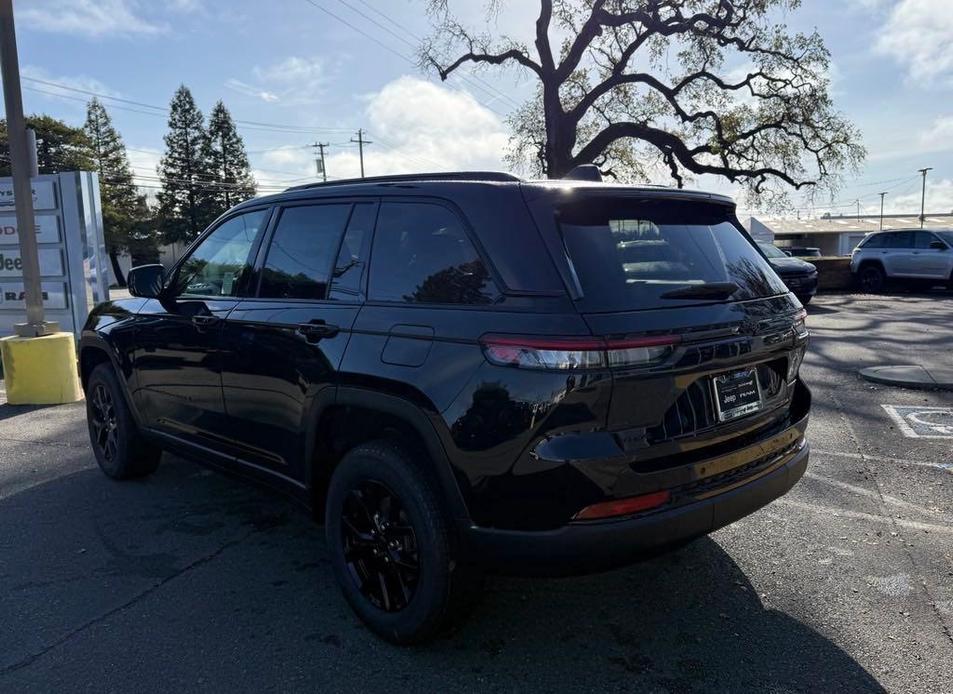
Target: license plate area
column 737, row 393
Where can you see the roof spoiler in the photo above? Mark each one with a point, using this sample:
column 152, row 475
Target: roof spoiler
column 584, row 172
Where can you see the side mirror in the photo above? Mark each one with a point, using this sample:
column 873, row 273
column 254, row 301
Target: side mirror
column 146, row 281
column 938, row 245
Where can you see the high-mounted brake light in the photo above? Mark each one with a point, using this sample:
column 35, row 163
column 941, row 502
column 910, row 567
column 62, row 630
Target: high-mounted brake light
column 574, row 353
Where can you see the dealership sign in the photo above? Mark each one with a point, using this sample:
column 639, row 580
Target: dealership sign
column 13, row 296
column 11, row 265
column 44, row 197
column 71, row 250
column 47, row 229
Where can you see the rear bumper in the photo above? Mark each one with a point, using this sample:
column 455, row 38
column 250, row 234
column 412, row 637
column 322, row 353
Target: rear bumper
column 590, row 547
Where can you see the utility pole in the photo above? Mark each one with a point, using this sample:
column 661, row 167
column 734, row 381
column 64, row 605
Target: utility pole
column 35, row 325
column 923, row 195
column 858, row 207
column 319, row 160
column 360, row 147
column 882, row 195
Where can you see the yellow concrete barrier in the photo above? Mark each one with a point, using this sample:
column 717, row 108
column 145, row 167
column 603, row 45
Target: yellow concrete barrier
column 40, row 370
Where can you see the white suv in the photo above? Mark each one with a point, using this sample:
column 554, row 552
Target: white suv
column 918, row 254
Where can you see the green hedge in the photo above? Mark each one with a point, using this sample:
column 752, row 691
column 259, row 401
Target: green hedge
column 833, row 273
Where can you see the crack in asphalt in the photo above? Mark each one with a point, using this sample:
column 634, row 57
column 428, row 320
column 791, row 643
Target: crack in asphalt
column 855, row 441
column 201, row 561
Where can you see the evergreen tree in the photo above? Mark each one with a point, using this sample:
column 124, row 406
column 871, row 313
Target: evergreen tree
column 227, row 160
column 59, row 147
column 187, row 199
column 124, row 209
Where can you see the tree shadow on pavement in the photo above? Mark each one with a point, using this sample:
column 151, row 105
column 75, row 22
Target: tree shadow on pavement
column 193, row 581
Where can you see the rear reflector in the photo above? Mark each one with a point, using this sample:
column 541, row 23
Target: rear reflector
column 624, row 507
column 571, row 353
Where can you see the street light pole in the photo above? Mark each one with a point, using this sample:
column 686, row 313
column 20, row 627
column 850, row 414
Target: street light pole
column 882, row 195
column 923, row 194
column 22, row 187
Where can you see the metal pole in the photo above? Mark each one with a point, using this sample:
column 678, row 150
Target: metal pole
column 923, row 195
column 322, row 168
column 31, row 152
column 882, row 209
column 360, row 147
column 22, row 188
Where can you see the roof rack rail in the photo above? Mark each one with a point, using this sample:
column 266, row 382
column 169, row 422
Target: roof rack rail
column 398, row 178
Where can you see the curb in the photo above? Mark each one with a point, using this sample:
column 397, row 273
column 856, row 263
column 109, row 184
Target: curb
column 910, row 376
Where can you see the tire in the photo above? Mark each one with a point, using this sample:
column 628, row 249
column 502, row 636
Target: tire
column 408, row 591
column 872, row 278
column 120, row 449
column 805, row 300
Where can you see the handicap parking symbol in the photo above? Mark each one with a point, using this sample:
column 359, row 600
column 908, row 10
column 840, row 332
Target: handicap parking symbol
column 918, row 422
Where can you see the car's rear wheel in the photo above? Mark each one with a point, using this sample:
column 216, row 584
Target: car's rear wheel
column 391, row 544
column 120, row 449
column 872, row 278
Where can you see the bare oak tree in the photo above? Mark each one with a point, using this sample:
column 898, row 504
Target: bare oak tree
column 687, row 87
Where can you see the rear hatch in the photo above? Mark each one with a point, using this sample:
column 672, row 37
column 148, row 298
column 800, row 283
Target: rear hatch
column 707, row 340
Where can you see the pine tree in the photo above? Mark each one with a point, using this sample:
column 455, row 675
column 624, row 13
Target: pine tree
column 227, row 160
column 124, row 209
column 187, row 199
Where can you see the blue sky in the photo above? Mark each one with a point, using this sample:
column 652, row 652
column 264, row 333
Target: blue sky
column 295, row 74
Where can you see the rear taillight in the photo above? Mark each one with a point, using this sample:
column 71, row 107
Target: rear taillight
column 624, row 507
column 575, row 353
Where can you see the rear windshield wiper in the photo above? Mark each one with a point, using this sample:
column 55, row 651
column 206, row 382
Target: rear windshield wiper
column 711, row 290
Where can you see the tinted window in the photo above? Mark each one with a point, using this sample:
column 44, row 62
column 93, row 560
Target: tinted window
column 630, row 253
column 771, row 250
column 349, row 268
column 875, row 241
column 300, row 254
column 923, row 239
column 421, row 254
column 899, row 239
column 218, row 264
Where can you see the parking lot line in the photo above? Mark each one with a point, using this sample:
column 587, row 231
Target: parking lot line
column 854, row 489
column 881, row 459
column 859, row 515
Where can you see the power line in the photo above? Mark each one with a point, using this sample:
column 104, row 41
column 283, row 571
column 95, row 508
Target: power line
column 467, row 75
column 163, row 111
column 380, row 43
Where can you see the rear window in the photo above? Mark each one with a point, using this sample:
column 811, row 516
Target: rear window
column 631, row 253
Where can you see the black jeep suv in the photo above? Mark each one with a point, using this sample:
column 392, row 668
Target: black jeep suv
column 465, row 371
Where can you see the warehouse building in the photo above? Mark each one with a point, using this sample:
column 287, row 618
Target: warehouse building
column 836, row 235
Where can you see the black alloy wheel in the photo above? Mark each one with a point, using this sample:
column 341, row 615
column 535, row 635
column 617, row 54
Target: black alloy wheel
column 872, row 279
column 105, row 423
column 380, row 546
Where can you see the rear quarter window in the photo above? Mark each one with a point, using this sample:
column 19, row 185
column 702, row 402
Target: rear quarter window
column 630, row 253
column 421, row 254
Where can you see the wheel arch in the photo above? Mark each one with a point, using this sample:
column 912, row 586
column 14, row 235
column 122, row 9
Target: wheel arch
column 93, row 351
column 357, row 416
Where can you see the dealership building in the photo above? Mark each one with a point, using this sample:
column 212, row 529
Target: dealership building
column 836, row 235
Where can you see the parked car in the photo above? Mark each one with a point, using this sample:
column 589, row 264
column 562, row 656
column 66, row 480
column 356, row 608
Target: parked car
column 798, row 275
column 802, row 251
column 908, row 254
column 465, row 372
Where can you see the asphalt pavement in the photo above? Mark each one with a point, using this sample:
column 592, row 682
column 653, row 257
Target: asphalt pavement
column 192, row 581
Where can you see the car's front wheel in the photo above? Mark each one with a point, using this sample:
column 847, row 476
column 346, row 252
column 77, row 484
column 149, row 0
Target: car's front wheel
column 872, row 278
column 391, row 544
column 119, row 447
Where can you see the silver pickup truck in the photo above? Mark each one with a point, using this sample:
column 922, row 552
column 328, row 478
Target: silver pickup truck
column 914, row 254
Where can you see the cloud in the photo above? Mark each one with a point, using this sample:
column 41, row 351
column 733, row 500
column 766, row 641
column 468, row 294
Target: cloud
column 90, row 18
column 295, row 81
column 917, row 35
column 939, row 198
column 414, row 126
column 250, row 90
column 417, row 125
column 144, row 161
